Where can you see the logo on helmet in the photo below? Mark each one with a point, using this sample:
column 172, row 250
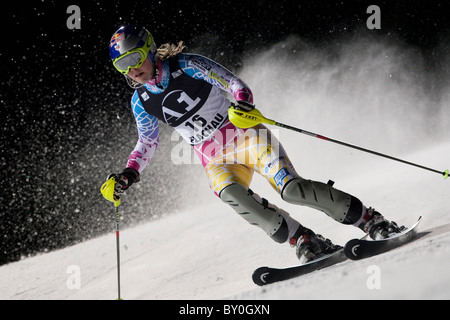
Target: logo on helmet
column 116, row 39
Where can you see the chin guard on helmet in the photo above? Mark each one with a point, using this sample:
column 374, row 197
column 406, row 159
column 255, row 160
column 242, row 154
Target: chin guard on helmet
column 133, row 84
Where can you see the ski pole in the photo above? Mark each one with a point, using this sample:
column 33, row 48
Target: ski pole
column 107, row 190
column 243, row 119
column 116, row 205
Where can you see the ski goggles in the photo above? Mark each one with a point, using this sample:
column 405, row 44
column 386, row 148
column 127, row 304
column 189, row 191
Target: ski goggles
column 132, row 59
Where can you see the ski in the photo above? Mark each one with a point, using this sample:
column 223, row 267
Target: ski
column 357, row 249
column 354, row 249
column 267, row 275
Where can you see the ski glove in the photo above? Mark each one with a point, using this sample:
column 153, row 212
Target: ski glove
column 244, row 106
column 124, row 180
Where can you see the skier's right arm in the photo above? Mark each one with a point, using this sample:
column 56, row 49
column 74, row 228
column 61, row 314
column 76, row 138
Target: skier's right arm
column 144, row 150
column 148, row 141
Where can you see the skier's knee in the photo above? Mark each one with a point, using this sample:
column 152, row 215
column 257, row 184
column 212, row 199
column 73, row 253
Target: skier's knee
column 257, row 211
column 339, row 205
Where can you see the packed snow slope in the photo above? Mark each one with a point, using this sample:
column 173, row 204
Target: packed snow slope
column 209, row 252
column 366, row 93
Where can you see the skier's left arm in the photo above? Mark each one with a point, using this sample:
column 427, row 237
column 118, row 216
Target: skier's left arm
column 199, row 67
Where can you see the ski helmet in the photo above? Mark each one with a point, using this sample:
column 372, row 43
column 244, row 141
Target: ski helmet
column 130, row 46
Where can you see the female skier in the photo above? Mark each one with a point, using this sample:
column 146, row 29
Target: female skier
column 185, row 91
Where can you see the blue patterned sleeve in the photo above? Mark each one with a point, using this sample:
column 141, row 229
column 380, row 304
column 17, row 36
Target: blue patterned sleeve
column 148, row 131
column 199, row 67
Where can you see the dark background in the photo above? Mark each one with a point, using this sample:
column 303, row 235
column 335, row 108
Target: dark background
column 66, row 120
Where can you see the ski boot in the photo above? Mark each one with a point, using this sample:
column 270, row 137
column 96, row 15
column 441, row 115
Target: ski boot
column 377, row 226
column 310, row 246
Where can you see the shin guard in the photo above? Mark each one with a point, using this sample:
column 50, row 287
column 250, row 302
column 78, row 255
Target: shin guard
column 257, row 211
column 338, row 205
